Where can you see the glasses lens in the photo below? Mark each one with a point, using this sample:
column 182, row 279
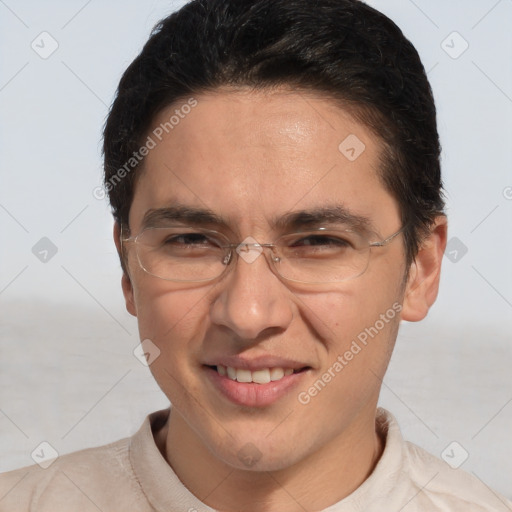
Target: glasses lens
column 193, row 255
column 325, row 256
column 182, row 254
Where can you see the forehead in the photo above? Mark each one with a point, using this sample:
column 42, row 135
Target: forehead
column 250, row 156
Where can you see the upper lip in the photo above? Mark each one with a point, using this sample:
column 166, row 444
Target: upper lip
column 255, row 363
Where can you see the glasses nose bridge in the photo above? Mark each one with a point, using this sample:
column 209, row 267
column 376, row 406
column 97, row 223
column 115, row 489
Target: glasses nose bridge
column 243, row 251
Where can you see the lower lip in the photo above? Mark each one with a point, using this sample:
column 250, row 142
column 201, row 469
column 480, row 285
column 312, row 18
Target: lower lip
column 251, row 394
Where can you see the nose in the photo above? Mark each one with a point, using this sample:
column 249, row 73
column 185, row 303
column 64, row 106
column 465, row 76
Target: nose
column 252, row 300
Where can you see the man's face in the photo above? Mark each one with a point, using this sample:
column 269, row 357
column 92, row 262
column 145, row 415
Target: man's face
column 252, row 158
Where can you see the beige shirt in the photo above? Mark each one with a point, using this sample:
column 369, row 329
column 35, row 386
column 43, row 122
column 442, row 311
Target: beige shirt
column 131, row 475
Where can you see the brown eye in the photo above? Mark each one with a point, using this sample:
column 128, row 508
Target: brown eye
column 188, row 239
column 320, row 241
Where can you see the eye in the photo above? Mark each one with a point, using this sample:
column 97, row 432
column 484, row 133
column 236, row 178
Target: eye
column 190, row 242
column 321, row 241
column 189, row 239
column 321, row 246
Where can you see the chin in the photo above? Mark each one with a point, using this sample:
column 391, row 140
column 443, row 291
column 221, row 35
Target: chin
column 253, row 453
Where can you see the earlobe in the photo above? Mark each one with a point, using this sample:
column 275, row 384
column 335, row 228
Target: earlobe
column 126, row 283
column 425, row 272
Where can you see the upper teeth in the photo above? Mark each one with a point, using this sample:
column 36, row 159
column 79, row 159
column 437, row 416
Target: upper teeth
column 263, row 376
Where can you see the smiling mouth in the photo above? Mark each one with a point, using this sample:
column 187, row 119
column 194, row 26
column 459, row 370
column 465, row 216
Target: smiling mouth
column 261, row 376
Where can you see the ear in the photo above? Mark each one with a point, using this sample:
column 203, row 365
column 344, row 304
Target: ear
column 425, row 272
column 126, row 283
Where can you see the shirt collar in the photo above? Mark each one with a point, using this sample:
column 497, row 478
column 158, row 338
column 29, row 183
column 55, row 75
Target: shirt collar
column 159, row 482
column 165, row 491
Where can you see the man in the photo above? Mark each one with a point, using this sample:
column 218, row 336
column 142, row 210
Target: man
column 273, row 170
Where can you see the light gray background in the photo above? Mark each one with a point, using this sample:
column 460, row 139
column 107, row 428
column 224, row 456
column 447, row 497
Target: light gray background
column 67, row 372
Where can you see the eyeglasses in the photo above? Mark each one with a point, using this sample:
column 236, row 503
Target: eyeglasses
column 187, row 254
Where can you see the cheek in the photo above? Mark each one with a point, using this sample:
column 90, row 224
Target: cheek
column 358, row 331
column 358, row 327
column 340, row 316
column 175, row 321
column 170, row 316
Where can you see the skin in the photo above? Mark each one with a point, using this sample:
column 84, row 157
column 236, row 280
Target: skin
column 251, row 156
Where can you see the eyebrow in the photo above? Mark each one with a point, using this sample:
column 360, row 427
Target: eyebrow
column 327, row 215
column 291, row 221
column 183, row 214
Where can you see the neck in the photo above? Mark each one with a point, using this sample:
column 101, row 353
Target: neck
column 316, row 482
